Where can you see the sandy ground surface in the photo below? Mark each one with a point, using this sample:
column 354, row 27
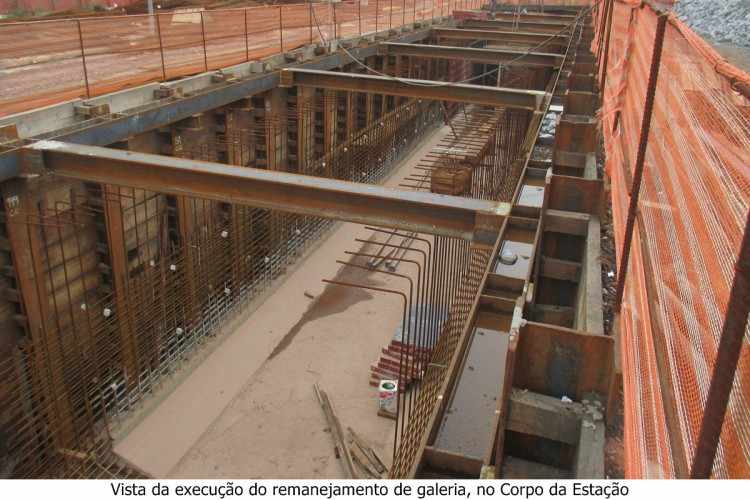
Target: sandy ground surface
column 249, row 409
column 42, row 63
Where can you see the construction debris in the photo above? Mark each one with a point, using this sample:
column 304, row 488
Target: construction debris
column 341, row 449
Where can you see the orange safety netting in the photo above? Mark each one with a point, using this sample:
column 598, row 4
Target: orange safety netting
column 47, row 62
column 692, row 210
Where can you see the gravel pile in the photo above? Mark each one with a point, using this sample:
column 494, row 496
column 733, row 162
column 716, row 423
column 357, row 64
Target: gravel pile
column 723, row 21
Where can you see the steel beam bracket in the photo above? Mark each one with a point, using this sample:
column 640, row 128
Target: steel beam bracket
column 488, row 225
column 32, row 164
column 286, row 78
column 89, row 110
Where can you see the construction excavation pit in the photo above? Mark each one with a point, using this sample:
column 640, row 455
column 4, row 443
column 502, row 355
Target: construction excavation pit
column 373, row 240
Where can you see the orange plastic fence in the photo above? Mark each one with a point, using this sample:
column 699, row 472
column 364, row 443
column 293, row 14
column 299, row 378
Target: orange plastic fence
column 46, row 62
column 693, row 206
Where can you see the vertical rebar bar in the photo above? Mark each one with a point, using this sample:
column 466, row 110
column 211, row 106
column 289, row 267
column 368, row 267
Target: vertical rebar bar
column 310, row 19
column 648, row 109
column 83, row 59
column 359, row 16
column 161, row 47
column 725, row 365
column 281, row 31
column 608, row 12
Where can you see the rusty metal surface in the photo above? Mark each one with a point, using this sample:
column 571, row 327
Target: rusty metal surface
column 510, row 37
column 303, row 194
column 487, row 56
column 412, row 87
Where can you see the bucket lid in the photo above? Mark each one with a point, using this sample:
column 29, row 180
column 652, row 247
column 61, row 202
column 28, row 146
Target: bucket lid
column 388, row 385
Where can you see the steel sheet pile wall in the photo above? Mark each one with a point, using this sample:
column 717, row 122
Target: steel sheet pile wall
column 690, row 219
column 46, row 62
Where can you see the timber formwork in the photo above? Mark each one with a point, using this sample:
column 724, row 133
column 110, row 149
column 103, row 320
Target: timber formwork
column 135, row 225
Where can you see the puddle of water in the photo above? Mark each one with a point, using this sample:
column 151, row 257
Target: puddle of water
column 467, row 424
column 333, row 300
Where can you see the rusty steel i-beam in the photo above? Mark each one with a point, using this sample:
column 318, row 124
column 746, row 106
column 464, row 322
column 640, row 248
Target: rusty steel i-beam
column 533, row 39
column 409, row 87
column 536, row 16
column 487, row 56
column 471, row 219
column 527, row 26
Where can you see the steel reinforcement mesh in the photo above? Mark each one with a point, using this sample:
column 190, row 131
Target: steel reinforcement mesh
column 491, row 140
column 106, row 345
column 692, row 210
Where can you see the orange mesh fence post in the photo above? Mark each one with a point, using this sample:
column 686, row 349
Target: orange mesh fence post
column 648, row 108
column 725, row 366
column 607, row 24
column 161, row 47
column 83, row 59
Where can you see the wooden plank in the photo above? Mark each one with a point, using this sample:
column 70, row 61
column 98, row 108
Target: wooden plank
column 373, row 457
column 336, row 431
column 544, row 416
column 558, row 361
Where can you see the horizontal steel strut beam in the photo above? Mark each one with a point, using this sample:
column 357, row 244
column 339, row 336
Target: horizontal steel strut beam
column 536, row 16
column 409, row 87
column 540, row 39
column 527, row 26
column 476, row 220
column 487, row 56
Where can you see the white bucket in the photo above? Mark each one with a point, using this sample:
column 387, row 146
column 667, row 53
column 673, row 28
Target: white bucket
column 388, row 396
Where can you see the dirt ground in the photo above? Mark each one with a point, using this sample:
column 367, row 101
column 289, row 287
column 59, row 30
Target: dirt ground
column 249, row 409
